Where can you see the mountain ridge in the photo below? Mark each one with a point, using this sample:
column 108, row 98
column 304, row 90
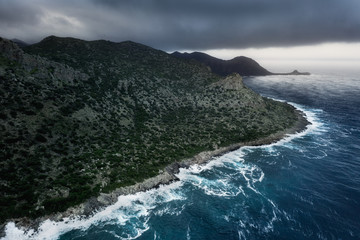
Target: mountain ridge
column 242, row 65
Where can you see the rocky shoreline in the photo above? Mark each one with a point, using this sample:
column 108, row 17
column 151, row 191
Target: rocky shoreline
column 167, row 176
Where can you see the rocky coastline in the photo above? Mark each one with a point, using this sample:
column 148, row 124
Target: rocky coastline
column 167, row 176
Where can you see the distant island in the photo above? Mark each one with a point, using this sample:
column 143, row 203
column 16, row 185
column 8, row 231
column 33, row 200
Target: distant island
column 85, row 121
column 242, row 65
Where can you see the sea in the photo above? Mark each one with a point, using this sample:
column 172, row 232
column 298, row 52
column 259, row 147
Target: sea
column 306, row 186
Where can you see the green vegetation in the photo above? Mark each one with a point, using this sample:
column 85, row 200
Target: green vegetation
column 79, row 118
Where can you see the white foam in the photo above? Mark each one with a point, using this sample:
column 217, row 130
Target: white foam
column 167, row 210
column 188, row 233
column 315, row 128
column 241, row 235
column 223, row 187
column 134, row 207
column 219, row 187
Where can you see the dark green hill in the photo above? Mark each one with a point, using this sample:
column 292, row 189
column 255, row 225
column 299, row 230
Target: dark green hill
column 20, row 43
column 242, row 65
column 78, row 118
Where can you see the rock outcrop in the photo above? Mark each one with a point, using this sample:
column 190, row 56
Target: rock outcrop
column 231, row 82
column 10, row 50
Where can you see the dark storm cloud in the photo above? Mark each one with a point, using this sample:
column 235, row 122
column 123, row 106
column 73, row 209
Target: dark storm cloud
column 187, row 24
column 14, row 13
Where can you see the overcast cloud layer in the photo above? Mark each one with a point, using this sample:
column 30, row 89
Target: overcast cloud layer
column 185, row 24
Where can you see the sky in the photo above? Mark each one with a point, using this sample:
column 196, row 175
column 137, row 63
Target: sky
column 226, row 28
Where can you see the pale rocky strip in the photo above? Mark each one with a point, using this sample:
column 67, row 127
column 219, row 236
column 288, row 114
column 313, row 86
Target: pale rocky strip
column 94, row 204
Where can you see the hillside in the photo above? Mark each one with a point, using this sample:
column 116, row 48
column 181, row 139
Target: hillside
column 242, row 65
column 78, row 118
column 19, row 42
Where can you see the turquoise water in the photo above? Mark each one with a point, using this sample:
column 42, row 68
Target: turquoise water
column 304, row 187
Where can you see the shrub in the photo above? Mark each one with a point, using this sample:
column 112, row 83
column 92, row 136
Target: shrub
column 40, row 138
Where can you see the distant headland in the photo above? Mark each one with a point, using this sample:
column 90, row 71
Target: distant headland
column 242, row 65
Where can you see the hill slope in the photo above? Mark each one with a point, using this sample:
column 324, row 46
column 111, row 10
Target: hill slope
column 243, row 65
column 78, row 118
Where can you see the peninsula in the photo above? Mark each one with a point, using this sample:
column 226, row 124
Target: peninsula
column 85, row 121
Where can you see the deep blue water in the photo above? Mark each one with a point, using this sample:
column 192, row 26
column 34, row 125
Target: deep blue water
column 304, row 187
